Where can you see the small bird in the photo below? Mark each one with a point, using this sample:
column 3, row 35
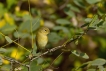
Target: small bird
column 42, row 38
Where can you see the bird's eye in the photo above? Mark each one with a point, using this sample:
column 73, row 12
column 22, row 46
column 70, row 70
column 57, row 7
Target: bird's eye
column 45, row 30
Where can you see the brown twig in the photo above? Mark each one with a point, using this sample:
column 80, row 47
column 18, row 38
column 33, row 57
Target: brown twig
column 14, row 61
column 11, row 69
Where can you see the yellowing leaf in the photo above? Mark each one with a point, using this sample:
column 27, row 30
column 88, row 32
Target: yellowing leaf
column 42, row 22
column 16, row 54
column 24, row 13
column 47, row 2
column 17, row 8
column 2, row 23
column 100, row 4
column 9, row 19
column 5, row 61
column 77, row 64
column 90, row 15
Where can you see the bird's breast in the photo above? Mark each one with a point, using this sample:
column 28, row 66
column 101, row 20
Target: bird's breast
column 42, row 41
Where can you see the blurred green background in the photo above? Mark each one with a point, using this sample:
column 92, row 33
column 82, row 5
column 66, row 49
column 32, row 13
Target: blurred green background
column 64, row 19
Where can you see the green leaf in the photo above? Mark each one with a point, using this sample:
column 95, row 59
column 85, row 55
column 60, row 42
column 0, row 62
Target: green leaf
column 8, row 28
column 100, row 23
column 101, row 68
column 1, row 61
column 2, row 50
column 26, row 17
column 83, row 55
column 18, row 34
column 54, row 36
column 2, row 9
column 70, row 13
column 82, row 66
column 87, row 20
column 64, row 29
column 10, row 3
column 79, row 3
column 40, row 60
column 91, row 70
column 62, row 21
column 98, row 62
column 8, row 39
column 93, row 1
column 95, row 17
column 34, row 66
column 73, row 8
column 26, row 25
column 93, row 23
column 75, row 52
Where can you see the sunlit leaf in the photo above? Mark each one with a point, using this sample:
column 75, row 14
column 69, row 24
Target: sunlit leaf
column 8, row 39
column 83, row 55
column 87, row 20
column 62, row 21
column 98, row 62
column 92, row 1
column 101, row 68
column 75, row 53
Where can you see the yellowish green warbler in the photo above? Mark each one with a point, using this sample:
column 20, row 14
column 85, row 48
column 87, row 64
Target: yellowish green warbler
column 42, row 38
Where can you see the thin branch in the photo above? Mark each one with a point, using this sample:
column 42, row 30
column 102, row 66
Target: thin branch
column 55, row 59
column 14, row 61
column 11, row 69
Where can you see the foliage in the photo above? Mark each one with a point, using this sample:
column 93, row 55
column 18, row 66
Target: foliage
column 67, row 19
